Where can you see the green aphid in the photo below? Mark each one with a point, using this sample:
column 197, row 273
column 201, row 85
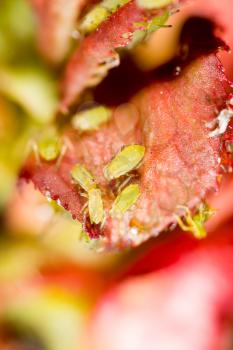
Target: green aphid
column 153, row 4
column 95, row 206
column 144, row 29
column 100, row 13
column 125, row 199
column 83, row 177
column 49, row 148
column 91, row 119
column 158, row 22
column 126, row 160
column 195, row 223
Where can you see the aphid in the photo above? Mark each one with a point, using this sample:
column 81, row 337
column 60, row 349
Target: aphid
column 49, row 148
column 95, row 206
column 146, row 28
column 83, row 177
column 125, row 199
column 154, row 4
column 99, row 13
column 91, row 119
column 125, row 161
column 195, row 223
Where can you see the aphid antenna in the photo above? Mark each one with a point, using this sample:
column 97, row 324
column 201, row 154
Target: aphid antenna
column 103, row 221
column 84, row 208
column 83, row 194
column 174, row 11
column 183, row 207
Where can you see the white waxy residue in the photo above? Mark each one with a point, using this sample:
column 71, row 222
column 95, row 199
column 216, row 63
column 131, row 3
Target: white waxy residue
column 223, row 119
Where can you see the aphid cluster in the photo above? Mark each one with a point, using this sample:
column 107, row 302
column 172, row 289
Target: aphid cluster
column 195, row 223
column 126, row 160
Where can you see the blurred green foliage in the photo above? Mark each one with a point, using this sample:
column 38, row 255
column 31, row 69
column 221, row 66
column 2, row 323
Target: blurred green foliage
column 17, row 31
column 28, row 89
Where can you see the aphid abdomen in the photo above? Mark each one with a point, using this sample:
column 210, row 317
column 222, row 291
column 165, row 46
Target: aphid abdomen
column 95, row 206
column 49, row 148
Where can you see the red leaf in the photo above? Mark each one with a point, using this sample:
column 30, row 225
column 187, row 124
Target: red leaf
column 180, row 164
column 172, row 305
column 97, row 53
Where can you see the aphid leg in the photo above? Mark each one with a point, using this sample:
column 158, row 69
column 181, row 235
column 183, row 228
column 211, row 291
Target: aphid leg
column 69, row 144
column 186, row 209
column 125, row 182
column 182, row 225
column 32, row 146
column 83, row 194
column 84, row 208
column 85, row 205
column 59, row 159
column 66, row 145
column 103, row 222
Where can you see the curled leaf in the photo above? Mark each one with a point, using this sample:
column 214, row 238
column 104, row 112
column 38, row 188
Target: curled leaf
column 180, row 165
column 97, row 54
